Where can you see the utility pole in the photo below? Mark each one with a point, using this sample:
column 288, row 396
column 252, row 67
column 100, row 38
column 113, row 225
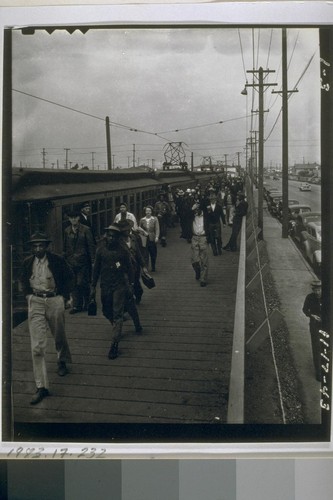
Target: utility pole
column 225, row 158
column 128, row 161
column 192, row 161
column 92, row 160
column 66, row 161
column 108, row 142
column 238, row 160
column 285, row 91
column 113, row 161
column 44, row 157
column 133, row 155
column 260, row 85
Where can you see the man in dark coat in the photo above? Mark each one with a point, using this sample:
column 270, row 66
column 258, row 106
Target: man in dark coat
column 79, row 251
column 214, row 215
column 312, row 309
column 114, row 267
column 162, row 211
column 46, row 281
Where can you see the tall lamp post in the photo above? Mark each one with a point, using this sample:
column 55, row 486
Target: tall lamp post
column 260, row 86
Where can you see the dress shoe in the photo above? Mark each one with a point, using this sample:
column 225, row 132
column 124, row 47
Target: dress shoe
column 113, row 352
column 203, row 283
column 62, row 369
column 41, row 393
column 138, row 329
column 75, row 310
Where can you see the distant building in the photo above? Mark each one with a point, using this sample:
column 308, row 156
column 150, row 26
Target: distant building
column 309, row 169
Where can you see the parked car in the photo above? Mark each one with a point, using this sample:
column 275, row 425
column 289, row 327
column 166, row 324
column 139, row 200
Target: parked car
column 311, row 237
column 272, row 198
column 298, row 222
column 305, row 187
column 270, row 190
column 291, row 203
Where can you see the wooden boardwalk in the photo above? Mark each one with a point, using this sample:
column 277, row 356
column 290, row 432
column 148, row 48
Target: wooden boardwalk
column 177, row 371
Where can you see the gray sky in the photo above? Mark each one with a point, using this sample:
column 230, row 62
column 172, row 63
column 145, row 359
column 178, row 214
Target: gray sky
column 158, row 81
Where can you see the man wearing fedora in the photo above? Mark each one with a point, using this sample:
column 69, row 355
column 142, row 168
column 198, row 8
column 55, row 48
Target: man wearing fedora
column 114, row 268
column 79, row 251
column 47, row 281
column 312, row 309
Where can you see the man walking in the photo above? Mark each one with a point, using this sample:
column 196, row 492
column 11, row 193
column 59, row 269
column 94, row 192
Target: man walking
column 47, row 281
column 199, row 245
column 79, row 251
column 215, row 218
column 114, row 268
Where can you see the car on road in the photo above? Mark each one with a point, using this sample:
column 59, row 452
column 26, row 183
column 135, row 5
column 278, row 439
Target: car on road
column 311, row 237
column 298, row 221
column 305, row 187
column 272, row 198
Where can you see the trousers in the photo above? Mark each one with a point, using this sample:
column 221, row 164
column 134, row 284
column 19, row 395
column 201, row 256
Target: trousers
column 43, row 315
column 199, row 254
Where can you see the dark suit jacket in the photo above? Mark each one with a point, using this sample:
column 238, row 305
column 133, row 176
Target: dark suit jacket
column 62, row 274
column 213, row 217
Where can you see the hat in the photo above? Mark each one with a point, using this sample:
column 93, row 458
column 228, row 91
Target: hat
column 123, row 204
column 211, row 189
column 112, row 227
column 149, row 206
column 316, row 284
column 39, row 237
column 85, row 204
column 180, row 192
column 75, row 212
column 241, row 195
column 124, row 226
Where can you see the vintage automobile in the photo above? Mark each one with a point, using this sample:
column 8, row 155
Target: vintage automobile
column 277, row 211
column 299, row 220
column 272, row 198
column 268, row 190
column 305, row 187
column 311, row 237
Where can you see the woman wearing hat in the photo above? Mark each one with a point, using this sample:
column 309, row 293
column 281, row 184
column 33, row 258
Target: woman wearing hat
column 47, row 281
column 149, row 223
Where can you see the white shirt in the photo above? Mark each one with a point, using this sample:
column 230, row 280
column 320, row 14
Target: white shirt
column 198, row 225
column 41, row 278
column 213, row 205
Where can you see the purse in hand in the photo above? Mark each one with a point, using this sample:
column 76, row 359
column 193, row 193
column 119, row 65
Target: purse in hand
column 92, row 307
column 147, row 280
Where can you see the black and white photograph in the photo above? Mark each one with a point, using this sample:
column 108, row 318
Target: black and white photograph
column 163, row 223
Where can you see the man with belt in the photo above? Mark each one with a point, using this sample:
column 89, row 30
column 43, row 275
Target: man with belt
column 47, row 281
column 199, row 245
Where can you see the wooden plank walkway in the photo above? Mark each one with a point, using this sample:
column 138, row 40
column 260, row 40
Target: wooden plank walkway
column 177, row 371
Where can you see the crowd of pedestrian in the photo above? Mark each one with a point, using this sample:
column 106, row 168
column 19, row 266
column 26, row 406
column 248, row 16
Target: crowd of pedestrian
column 53, row 283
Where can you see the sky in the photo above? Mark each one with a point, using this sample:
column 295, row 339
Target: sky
column 160, row 86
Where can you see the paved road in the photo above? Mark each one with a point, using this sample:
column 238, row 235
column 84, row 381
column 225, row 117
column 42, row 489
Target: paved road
column 312, row 198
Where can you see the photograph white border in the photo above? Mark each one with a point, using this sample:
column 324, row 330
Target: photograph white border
column 225, row 13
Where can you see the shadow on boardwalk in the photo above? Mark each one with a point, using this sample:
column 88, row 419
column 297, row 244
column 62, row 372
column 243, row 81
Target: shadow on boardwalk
column 177, row 371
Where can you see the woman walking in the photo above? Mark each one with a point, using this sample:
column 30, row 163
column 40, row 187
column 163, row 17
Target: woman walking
column 149, row 223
